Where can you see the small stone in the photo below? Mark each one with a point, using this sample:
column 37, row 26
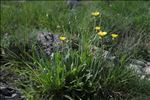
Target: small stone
column 138, row 62
column 136, row 68
column 146, row 70
column 148, row 63
column 107, row 55
column 142, row 77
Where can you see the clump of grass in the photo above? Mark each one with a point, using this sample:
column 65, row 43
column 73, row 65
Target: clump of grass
column 76, row 75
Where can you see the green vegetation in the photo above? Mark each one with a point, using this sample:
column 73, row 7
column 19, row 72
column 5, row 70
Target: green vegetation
column 76, row 74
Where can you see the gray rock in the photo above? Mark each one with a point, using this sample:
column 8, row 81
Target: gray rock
column 148, row 64
column 142, row 68
column 49, row 42
column 138, row 62
column 9, row 93
column 108, row 55
column 105, row 54
column 146, row 70
column 136, row 68
column 72, row 3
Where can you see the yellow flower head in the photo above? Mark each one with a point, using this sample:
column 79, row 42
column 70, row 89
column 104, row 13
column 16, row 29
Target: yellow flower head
column 96, row 13
column 114, row 35
column 102, row 34
column 62, row 38
column 97, row 28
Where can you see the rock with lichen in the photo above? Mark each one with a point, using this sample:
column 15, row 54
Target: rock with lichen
column 142, row 68
column 10, row 93
column 49, row 42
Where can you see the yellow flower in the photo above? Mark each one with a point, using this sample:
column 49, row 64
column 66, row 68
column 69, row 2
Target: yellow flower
column 101, row 34
column 114, row 35
column 97, row 28
column 96, row 13
column 62, row 38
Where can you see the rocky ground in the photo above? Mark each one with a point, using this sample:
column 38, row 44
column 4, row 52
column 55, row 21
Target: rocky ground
column 50, row 43
column 8, row 87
